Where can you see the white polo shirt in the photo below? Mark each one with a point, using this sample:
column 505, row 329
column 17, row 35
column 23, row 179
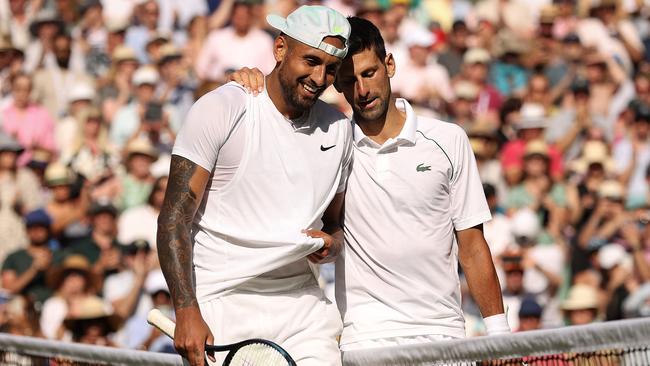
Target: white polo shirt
column 405, row 199
column 271, row 178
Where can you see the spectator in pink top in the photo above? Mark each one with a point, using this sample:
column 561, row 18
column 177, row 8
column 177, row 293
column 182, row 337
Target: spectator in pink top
column 530, row 126
column 30, row 124
column 235, row 46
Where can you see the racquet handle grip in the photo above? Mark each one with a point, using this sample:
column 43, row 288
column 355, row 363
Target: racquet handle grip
column 160, row 321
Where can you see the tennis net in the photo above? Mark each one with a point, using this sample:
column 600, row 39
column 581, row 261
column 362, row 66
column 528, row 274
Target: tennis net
column 617, row 343
column 27, row 351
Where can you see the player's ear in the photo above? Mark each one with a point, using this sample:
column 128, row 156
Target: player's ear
column 280, row 48
column 389, row 62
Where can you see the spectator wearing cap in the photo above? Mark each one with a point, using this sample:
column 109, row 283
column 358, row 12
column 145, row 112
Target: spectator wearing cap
column 581, row 306
column 7, row 54
column 484, row 143
column 537, row 190
column 19, row 187
column 23, row 271
column 175, row 88
column 128, row 119
column 44, row 26
column 48, row 81
column 125, row 291
column 29, row 123
column 92, row 321
column 605, row 223
column 476, row 66
column 452, row 57
column 619, row 277
column 155, row 129
column 15, row 22
column 117, row 88
column 89, row 153
column 80, row 97
column 90, row 31
column 632, row 156
column 237, row 45
column 140, row 222
column 137, row 37
column 507, row 73
column 138, row 181
column 72, row 281
column 461, row 109
column 419, row 79
column 566, row 20
column 530, row 315
column 64, row 208
column 100, row 247
column 513, row 283
column 530, row 126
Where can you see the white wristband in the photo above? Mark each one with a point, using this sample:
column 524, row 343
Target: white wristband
column 496, row 324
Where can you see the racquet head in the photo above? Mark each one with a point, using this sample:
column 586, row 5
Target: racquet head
column 257, row 352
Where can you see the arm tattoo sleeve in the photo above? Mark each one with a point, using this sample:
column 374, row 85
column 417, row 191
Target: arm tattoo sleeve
column 174, row 227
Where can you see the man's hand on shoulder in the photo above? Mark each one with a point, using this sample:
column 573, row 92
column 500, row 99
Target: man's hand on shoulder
column 251, row 79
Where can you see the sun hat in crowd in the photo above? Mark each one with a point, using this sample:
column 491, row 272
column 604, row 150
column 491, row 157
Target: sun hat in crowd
column 611, row 255
column 8, row 143
column 581, row 297
column 145, row 75
column 155, row 282
column 525, row 225
column 418, row 37
column 142, row 146
column 123, row 53
column 536, row 147
column 116, row 24
column 593, row 152
column 311, row 24
column 476, row 55
column 58, row 174
column 169, row 52
column 38, row 217
column 93, row 308
column 81, row 91
column 466, row 90
column 611, row 189
column 45, row 16
column 531, row 115
column 6, row 45
column 72, row 263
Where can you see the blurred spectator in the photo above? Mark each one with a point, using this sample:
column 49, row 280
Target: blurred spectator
column 80, row 97
column 230, row 48
column 475, row 69
column 47, row 81
column 511, row 14
column 175, row 86
column 22, row 318
column 64, row 208
column 498, row 231
column 508, row 74
column 605, row 223
column 141, row 222
column 530, row 315
column 452, row 57
column 137, row 37
column 23, row 271
column 72, row 281
column 461, row 109
column 100, row 247
column 581, row 306
column 125, row 290
column 137, row 183
column 27, row 122
column 92, row 321
column 632, row 156
column 117, row 89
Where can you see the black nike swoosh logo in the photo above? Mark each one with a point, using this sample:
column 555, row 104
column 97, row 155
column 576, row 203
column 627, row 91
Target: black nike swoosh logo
column 323, row 148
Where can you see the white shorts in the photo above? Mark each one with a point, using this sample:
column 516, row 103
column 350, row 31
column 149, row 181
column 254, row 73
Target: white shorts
column 394, row 341
column 302, row 321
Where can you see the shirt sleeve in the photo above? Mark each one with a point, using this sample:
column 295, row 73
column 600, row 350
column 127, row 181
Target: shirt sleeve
column 468, row 204
column 208, row 124
column 347, row 158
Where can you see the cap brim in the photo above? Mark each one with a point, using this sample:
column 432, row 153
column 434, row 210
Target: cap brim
column 277, row 22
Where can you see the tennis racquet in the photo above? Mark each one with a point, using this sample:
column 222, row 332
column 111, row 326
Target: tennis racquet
column 251, row 352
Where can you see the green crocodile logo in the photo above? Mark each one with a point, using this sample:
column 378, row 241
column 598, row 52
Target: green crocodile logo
column 423, row 168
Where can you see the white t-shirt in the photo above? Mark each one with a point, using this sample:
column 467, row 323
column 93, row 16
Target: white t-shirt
column 405, row 200
column 264, row 190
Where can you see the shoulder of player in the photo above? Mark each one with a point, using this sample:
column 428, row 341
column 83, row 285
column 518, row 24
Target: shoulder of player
column 443, row 132
column 231, row 93
column 325, row 114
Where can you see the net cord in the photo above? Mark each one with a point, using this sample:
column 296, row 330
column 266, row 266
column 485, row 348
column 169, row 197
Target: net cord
column 622, row 334
column 84, row 353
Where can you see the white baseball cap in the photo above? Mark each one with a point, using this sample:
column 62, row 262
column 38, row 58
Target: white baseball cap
column 310, row 24
column 145, row 75
column 419, row 37
column 81, row 91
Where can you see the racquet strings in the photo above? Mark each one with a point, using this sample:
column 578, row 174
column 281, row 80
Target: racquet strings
column 258, row 354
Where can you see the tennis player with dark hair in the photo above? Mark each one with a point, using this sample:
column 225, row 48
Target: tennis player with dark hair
column 414, row 208
column 255, row 190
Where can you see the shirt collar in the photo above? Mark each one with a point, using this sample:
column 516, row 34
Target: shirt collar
column 408, row 130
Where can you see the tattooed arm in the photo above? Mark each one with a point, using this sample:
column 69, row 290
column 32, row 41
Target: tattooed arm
column 187, row 182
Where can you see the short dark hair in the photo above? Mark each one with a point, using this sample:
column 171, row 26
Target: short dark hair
column 365, row 36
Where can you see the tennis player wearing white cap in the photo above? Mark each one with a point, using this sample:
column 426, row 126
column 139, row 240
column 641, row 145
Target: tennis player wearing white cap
column 414, row 207
column 255, row 191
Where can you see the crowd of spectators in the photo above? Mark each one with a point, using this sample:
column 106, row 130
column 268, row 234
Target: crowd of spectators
column 554, row 95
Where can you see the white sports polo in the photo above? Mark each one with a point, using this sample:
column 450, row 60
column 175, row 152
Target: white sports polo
column 271, row 178
column 405, row 199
